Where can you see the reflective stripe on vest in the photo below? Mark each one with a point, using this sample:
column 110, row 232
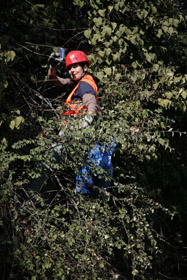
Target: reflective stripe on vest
column 76, row 107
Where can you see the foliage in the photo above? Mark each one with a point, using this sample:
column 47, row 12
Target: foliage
column 85, row 237
column 80, row 237
column 138, row 57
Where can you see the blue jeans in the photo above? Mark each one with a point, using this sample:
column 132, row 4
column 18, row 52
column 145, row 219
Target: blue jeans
column 97, row 171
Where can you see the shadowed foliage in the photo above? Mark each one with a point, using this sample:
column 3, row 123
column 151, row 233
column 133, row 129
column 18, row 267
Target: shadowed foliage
column 136, row 228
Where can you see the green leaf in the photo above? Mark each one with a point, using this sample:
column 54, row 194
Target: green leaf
column 87, row 33
column 101, row 13
column 159, row 33
column 156, row 67
column 176, row 22
column 18, row 121
column 15, row 123
column 169, row 95
column 95, row 38
column 171, row 30
column 101, row 264
column 110, row 8
column 106, row 30
column 10, row 55
column 165, row 28
column 184, row 94
column 166, row 103
column 114, row 25
column 12, row 124
column 108, row 71
column 100, row 75
column 108, row 51
column 116, row 56
column 98, row 21
column 154, row 9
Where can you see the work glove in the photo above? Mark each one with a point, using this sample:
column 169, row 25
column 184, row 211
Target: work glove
column 52, row 60
column 56, row 57
column 86, row 121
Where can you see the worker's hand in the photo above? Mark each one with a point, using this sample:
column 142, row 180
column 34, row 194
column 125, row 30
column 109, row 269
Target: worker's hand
column 56, row 57
column 53, row 60
column 86, row 121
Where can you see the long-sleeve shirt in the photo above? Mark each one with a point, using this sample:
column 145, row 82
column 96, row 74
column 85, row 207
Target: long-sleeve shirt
column 84, row 92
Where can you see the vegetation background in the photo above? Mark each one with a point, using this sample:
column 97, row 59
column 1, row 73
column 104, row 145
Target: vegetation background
column 137, row 228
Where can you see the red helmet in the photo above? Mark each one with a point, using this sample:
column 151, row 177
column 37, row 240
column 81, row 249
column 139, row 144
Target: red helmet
column 76, row 57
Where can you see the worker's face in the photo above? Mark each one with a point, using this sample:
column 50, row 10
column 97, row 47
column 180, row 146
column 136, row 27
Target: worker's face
column 76, row 71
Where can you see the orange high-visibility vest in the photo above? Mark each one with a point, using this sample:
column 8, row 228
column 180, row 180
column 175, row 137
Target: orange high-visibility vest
column 77, row 107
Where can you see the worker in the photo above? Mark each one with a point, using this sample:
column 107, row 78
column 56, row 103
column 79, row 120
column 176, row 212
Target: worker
column 83, row 100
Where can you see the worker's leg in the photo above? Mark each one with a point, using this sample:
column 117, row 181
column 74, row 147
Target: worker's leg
column 98, row 171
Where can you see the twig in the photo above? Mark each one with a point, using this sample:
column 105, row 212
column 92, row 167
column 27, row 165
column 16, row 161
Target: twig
column 172, row 278
column 73, row 37
column 32, row 50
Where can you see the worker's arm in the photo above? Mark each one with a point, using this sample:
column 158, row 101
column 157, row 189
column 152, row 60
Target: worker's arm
column 90, row 102
column 55, row 80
